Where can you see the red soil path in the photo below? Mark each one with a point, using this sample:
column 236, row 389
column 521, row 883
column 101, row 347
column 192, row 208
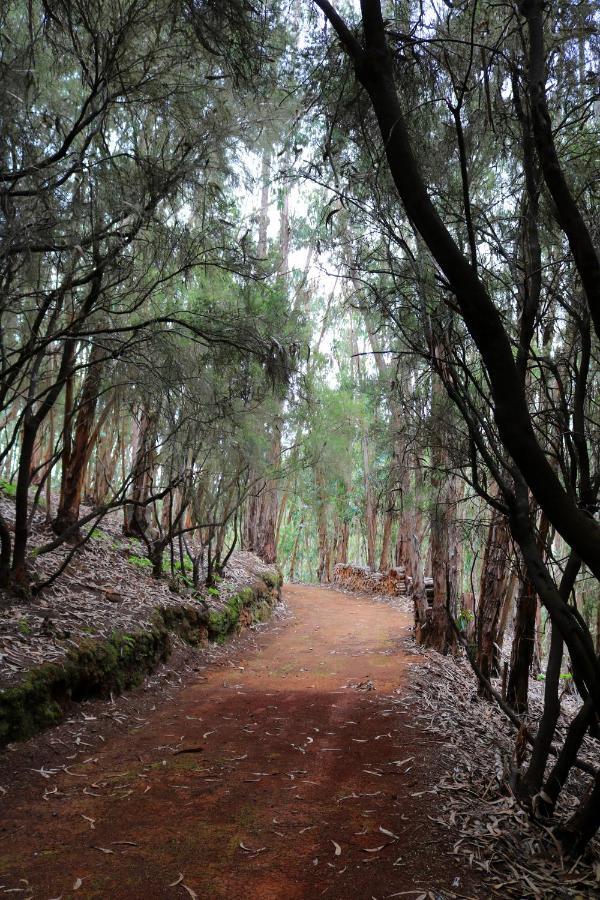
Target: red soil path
column 302, row 764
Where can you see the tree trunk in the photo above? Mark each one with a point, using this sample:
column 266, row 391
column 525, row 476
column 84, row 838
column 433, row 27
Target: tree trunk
column 263, row 222
column 370, row 507
column 386, row 541
column 136, row 516
column 294, row 554
column 323, row 573
column 442, row 529
column 19, row 571
column 524, row 635
column 583, row 824
column 522, row 647
column 410, row 525
column 504, row 616
column 559, row 773
column 108, row 453
column 5, row 553
column 67, row 432
column 495, row 572
column 259, row 533
column 341, row 555
column 76, row 456
column 49, row 463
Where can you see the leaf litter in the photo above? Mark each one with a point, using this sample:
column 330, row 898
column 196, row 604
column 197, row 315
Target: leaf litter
column 515, row 855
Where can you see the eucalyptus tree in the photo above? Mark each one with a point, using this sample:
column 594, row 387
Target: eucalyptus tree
column 120, row 125
column 512, row 302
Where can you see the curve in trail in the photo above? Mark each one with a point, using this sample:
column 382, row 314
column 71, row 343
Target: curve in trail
column 282, row 773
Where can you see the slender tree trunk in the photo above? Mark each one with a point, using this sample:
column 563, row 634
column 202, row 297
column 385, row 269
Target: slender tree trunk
column 263, row 222
column 524, row 635
column 538, row 646
column 442, row 532
column 75, row 460
column 136, row 517
column 422, row 612
column 67, row 432
column 411, row 519
column 504, row 616
column 294, row 554
column 370, row 506
column 323, row 573
column 523, row 647
column 386, row 541
column 36, row 473
column 259, row 535
column 108, row 453
column 5, row 552
column 495, row 572
column 559, row 773
column 342, row 543
column 532, row 780
column 280, row 516
column 49, row 463
column 583, row 824
column 29, row 433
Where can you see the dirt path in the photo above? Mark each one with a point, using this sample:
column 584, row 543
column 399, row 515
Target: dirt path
column 282, row 773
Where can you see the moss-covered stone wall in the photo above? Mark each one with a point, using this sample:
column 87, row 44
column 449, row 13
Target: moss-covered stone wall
column 97, row 668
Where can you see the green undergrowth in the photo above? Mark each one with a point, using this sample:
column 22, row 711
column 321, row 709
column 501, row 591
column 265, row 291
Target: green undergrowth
column 8, row 488
column 99, row 668
column 141, row 561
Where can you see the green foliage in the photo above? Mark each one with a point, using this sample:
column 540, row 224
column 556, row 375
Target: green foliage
column 141, row 561
column 463, row 619
column 24, row 627
column 8, row 488
column 564, row 676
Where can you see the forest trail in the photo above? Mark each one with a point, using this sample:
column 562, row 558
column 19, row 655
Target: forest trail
column 303, row 771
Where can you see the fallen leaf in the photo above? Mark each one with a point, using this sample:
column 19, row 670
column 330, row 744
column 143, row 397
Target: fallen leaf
column 251, row 850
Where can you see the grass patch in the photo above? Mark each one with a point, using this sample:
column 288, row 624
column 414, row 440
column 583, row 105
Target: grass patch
column 141, row 561
column 8, row 488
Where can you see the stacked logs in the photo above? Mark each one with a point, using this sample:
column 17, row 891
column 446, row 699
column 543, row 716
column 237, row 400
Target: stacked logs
column 392, row 582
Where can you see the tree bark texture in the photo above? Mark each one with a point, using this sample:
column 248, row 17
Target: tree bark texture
column 76, row 456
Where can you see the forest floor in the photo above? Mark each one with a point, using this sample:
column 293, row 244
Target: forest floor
column 107, row 588
column 282, row 770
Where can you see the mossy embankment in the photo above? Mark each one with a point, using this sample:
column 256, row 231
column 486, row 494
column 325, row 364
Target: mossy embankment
column 99, row 667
